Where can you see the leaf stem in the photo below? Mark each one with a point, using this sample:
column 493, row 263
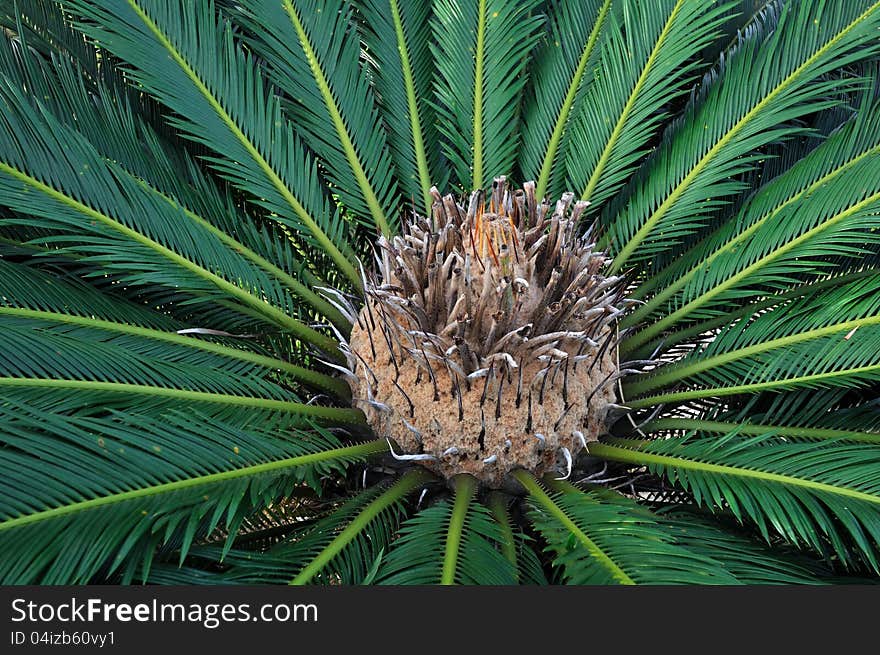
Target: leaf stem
column 543, row 499
column 412, row 105
column 568, row 102
column 478, row 96
column 691, row 394
column 622, row 257
column 498, row 506
column 664, row 424
column 337, row 119
column 359, row 523
column 264, row 308
column 676, row 372
column 641, row 458
column 465, row 486
column 326, row 382
column 340, row 414
column 630, row 103
column 344, row 265
column 358, row 451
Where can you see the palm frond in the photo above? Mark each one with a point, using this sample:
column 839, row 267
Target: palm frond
column 188, row 193
column 759, row 249
column 749, row 561
column 39, row 304
column 325, row 86
column 221, row 101
column 402, row 77
column 130, row 482
column 56, row 360
column 97, row 210
column 480, row 54
column 825, row 495
column 339, row 548
column 817, row 337
column 703, row 427
column 648, row 58
column 111, row 121
column 449, row 543
column 604, row 539
column 562, row 70
column 765, row 84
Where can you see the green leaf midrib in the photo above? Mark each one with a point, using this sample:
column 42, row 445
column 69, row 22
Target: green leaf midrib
column 630, row 102
column 478, row 95
column 360, row 450
column 603, row 558
column 337, row 414
column 325, row 382
column 498, row 507
column 680, row 371
column 359, row 523
column 465, row 486
column 262, row 307
column 297, row 287
column 756, row 429
column 338, row 122
column 729, row 245
column 412, row 105
column 339, row 259
column 702, row 299
column 710, row 392
column 743, row 311
column 633, row 456
column 568, row 102
column 621, row 258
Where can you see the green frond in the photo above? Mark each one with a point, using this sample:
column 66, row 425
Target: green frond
column 517, row 547
column 850, row 410
column 448, row 543
column 338, row 548
column 765, row 84
column 825, row 495
column 603, row 538
column 822, row 333
column 562, row 68
column 648, row 58
column 111, row 122
column 97, row 210
column 480, row 53
column 220, row 100
column 325, row 86
column 42, row 25
column 397, row 37
column 38, row 304
column 87, row 495
column 366, row 546
column 762, row 302
column 748, row 560
column 772, row 237
column 88, row 367
column 702, row 427
column 162, row 573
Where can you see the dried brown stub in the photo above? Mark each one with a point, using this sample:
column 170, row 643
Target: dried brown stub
column 486, row 343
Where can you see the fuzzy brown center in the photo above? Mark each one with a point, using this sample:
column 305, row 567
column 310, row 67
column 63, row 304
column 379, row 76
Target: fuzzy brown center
column 486, row 341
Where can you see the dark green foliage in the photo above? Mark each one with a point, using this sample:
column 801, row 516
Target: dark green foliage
column 187, row 193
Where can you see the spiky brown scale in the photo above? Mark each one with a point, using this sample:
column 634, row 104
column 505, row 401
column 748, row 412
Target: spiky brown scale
column 482, row 345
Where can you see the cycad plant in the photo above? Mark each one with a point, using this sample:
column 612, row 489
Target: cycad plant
column 462, row 291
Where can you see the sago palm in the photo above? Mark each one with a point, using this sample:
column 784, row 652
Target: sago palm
column 462, row 291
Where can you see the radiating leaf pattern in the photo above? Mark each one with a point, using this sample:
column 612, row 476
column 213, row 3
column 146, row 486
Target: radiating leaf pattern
column 191, row 198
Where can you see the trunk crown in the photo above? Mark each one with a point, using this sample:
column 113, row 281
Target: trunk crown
column 485, row 343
